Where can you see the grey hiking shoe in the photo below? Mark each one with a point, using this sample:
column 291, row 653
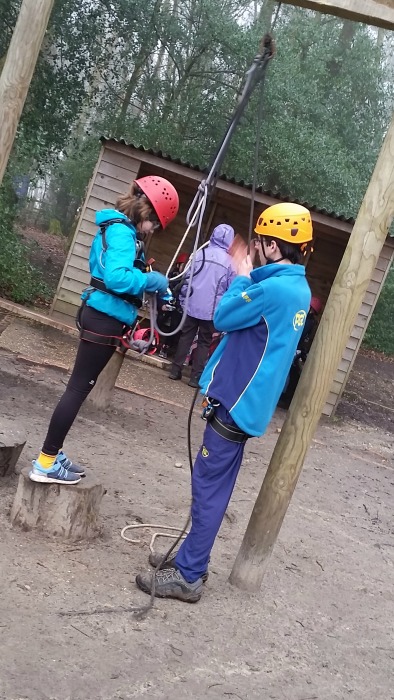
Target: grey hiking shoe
column 169, row 583
column 155, row 559
column 63, row 461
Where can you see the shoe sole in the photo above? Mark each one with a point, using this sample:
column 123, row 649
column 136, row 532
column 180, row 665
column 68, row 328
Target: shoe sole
column 174, row 379
column 167, row 565
column 49, row 480
column 191, row 598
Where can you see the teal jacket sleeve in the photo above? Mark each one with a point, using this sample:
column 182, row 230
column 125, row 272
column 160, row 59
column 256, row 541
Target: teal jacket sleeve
column 119, row 274
column 242, row 306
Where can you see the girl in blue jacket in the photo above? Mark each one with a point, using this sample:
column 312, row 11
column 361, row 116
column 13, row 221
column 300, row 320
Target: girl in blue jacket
column 110, row 306
column 262, row 315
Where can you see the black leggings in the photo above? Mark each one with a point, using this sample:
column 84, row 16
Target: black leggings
column 90, row 361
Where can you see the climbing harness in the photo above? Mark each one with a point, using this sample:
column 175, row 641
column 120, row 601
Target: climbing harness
column 228, row 432
column 130, row 298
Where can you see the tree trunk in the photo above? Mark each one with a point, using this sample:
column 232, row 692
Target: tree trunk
column 265, row 16
column 342, row 48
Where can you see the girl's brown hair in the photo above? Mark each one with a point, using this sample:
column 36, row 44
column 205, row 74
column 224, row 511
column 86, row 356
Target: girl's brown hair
column 134, row 204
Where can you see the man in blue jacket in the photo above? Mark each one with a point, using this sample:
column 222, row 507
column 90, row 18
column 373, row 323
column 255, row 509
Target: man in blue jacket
column 262, row 314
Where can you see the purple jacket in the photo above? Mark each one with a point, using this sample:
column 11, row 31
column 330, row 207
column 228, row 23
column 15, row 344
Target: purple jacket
column 214, row 277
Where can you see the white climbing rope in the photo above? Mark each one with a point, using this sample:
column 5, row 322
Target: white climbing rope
column 155, row 535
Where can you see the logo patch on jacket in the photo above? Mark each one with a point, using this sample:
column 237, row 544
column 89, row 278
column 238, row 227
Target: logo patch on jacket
column 299, row 320
column 204, row 451
column 245, row 296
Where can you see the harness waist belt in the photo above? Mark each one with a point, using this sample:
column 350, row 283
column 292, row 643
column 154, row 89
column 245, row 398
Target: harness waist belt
column 99, row 339
column 228, row 432
column 130, row 298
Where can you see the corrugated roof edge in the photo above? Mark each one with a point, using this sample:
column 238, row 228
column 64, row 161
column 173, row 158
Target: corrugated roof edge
column 233, row 180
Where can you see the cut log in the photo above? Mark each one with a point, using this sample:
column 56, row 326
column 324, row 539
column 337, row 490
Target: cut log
column 12, row 442
column 70, row 512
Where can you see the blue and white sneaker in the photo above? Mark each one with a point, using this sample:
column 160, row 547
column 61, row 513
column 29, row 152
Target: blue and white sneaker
column 66, row 463
column 56, row 475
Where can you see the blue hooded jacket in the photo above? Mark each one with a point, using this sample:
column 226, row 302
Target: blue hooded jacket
column 263, row 318
column 115, row 267
column 214, row 274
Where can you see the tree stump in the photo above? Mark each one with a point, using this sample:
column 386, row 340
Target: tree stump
column 12, row 442
column 70, row 512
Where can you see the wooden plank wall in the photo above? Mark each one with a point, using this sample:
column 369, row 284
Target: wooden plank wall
column 112, row 176
column 353, row 345
column 118, row 165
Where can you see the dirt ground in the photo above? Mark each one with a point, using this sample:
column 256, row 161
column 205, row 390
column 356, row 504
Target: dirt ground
column 369, row 393
column 321, row 627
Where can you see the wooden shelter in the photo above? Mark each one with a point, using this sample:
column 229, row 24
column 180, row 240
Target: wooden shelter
column 119, row 163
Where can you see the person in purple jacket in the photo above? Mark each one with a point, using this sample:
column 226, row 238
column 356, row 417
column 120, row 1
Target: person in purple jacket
column 212, row 276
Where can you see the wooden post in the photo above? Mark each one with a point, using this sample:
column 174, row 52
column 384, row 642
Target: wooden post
column 18, row 70
column 379, row 13
column 102, row 393
column 354, row 274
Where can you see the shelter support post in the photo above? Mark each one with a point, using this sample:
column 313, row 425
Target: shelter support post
column 18, row 70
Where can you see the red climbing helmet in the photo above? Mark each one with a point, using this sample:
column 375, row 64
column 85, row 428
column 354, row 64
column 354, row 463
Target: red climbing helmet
column 144, row 334
column 162, row 196
column 182, row 258
column 316, row 305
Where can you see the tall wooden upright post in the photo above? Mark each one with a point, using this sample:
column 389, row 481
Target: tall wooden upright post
column 18, row 70
column 354, row 274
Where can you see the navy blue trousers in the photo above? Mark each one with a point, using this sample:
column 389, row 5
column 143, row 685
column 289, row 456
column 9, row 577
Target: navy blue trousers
column 214, row 475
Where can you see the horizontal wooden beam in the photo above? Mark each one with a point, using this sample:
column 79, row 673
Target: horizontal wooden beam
column 379, row 13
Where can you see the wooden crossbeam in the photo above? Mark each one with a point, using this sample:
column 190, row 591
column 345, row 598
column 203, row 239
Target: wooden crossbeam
column 379, row 13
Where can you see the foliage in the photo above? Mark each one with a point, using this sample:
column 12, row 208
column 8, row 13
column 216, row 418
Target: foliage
column 59, row 90
column 167, row 73
column 380, row 332
column 19, row 280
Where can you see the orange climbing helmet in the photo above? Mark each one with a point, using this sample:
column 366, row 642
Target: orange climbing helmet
column 287, row 221
column 162, row 196
column 182, row 258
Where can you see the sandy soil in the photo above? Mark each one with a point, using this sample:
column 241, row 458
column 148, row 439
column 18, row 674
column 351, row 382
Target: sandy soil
column 321, row 627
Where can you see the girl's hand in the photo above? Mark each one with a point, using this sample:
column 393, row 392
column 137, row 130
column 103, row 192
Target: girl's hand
column 245, row 267
column 238, row 251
